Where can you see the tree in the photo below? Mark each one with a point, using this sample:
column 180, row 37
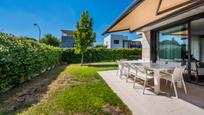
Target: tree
column 84, row 35
column 6, row 34
column 50, row 40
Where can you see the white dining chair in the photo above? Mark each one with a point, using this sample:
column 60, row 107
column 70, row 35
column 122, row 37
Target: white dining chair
column 119, row 65
column 172, row 66
column 142, row 73
column 194, row 70
column 175, row 77
column 131, row 70
column 124, row 71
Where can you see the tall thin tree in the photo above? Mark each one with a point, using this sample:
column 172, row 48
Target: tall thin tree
column 84, row 35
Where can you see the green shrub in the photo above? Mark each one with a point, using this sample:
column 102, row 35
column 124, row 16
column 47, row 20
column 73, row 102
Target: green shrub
column 21, row 59
column 101, row 54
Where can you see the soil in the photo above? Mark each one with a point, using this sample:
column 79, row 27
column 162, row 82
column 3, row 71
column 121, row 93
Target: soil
column 27, row 94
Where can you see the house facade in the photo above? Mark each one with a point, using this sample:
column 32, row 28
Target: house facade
column 171, row 29
column 67, row 39
column 120, row 41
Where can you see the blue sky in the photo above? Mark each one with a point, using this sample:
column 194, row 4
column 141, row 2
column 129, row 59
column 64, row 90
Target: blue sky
column 17, row 16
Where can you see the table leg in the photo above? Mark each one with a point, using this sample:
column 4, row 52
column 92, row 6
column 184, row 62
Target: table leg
column 157, row 82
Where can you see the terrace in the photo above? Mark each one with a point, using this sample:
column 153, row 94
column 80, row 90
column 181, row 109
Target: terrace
column 172, row 33
column 151, row 103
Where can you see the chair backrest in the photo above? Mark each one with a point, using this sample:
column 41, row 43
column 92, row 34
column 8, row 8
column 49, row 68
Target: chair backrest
column 194, row 65
column 141, row 69
column 119, row 64
column 133, row 68
column 124, row 65
column 178, row 72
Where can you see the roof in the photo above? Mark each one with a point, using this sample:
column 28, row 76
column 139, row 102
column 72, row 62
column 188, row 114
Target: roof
column 68, row 32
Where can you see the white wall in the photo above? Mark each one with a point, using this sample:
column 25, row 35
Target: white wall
column 145, row 40
column 109, row 41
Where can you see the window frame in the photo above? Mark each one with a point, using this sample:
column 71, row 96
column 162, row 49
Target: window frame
column 118, row 42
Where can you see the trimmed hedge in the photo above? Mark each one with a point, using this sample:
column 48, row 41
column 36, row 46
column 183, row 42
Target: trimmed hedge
column 101, row 54
column 21, row 59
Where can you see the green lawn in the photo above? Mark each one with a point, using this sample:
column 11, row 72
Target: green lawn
column 80, row 90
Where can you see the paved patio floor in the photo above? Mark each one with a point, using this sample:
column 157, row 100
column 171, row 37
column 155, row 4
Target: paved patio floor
column 152, row 104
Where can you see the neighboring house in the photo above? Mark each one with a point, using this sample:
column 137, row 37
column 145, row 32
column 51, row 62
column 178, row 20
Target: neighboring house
column 120, row 41
column 160, row 20
column 136, row 43
column 67, row 39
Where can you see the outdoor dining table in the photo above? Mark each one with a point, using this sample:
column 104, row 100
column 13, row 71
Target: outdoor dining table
column 157, row 68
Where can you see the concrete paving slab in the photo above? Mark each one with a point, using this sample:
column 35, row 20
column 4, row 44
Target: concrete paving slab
column 150, row 103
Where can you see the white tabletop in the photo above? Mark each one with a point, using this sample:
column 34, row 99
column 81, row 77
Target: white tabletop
column 149, row 65
column 157, row 68
column 135, row 61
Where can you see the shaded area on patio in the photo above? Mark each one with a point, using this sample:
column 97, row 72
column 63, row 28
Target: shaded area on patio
column 150, row 103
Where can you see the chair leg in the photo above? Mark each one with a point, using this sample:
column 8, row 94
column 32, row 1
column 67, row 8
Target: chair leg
column 196, row 77
column 184, row 86
column 166, row 82
column 127, row 77
column 169, row 89
column 145, row 82
column 120, row 74
column 135, row 78
column 175, row 90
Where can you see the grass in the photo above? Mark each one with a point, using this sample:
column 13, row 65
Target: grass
column 80, row 90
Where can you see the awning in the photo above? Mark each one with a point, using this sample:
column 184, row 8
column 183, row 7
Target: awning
column 144, row 12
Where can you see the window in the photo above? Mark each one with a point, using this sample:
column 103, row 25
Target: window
column 116, row 41
column 139, row 36
column 173, row 43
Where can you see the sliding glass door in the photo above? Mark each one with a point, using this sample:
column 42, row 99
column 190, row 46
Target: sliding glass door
column 172, row 45
column 182, row 43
